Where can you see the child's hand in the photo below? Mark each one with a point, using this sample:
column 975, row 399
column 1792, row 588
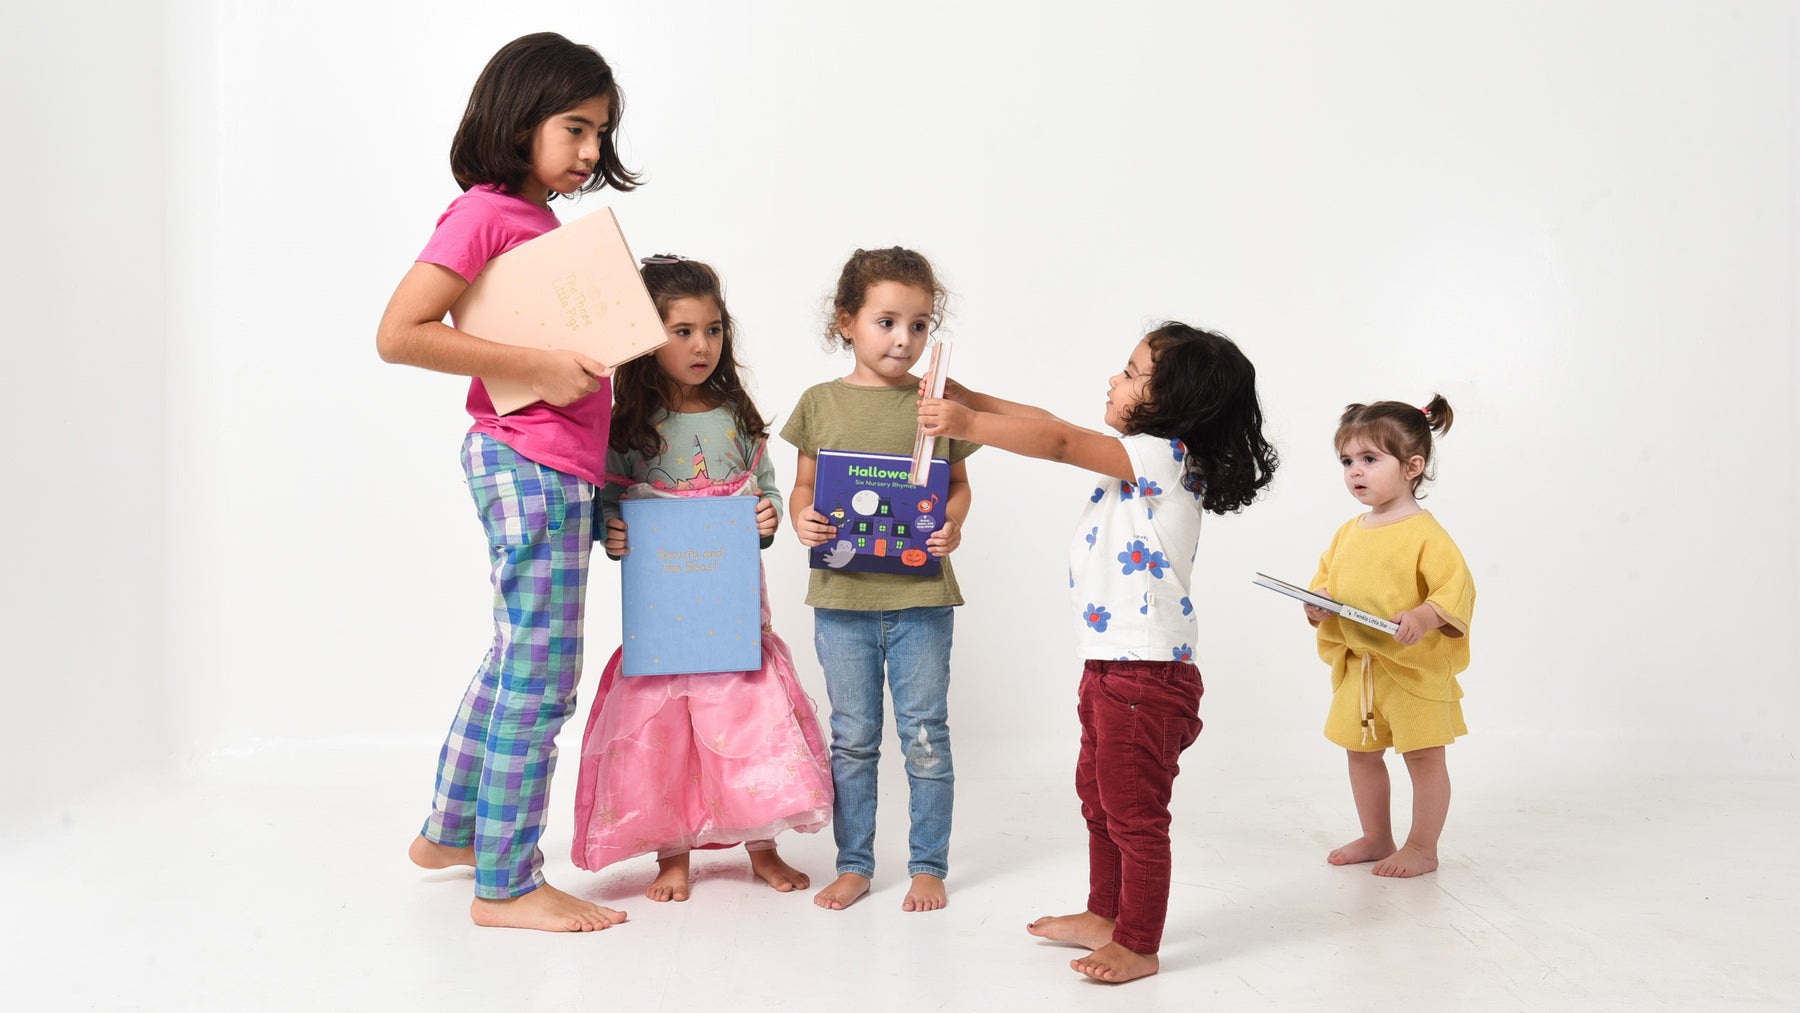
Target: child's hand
column 563, row 377
column 953, row 391
column 615, row 537
column 765, row 517
column 1315, row 614
column 1415, row 623
column 942, row 417
column 944, row 540
column 813, row 527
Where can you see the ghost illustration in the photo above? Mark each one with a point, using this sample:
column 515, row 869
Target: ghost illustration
column 839, row 555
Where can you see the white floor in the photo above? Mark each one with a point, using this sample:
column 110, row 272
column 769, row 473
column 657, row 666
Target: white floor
column 279, row 882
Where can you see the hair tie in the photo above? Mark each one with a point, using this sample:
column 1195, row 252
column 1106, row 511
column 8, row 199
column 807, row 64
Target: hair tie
column 662, row 258
column 1426, row 411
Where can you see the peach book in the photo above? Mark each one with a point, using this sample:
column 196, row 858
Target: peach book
column 575, row 287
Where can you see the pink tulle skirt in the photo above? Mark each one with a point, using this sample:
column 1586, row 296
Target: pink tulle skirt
column 699, row 761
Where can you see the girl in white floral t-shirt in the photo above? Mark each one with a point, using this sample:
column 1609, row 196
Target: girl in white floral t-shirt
column 1192, row 441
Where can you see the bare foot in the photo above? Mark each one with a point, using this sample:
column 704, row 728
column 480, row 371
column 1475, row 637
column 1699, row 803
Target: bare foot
column 1114, row 963
column 1085, row 929
column 842, row 892
column 925, row 894
column 1409, row 861
column 427, row 854
column 671, row 882
column 1361, row 850
column 545, row 908
column 774, row 870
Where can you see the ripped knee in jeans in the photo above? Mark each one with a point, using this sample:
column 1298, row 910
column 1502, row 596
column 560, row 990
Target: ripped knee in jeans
column 921, row 756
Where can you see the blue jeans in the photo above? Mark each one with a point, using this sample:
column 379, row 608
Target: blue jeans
column 913, row 646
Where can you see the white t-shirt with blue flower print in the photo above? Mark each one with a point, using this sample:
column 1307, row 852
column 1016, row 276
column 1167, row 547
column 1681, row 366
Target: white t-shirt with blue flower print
column 1133, row 556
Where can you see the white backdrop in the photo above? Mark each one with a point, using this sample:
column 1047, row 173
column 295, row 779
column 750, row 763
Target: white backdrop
column 236, row 529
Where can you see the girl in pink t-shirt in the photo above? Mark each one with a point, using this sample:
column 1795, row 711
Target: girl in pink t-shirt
column 538, row 125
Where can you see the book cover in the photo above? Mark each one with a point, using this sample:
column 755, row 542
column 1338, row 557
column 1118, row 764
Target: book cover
column 692, row 585
column 574, row 287
column 882, row 519
column 1318, row 600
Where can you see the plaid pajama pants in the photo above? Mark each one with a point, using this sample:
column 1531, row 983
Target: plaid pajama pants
column 493, row 780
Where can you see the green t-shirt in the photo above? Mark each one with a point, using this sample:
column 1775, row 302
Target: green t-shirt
column 871, row 420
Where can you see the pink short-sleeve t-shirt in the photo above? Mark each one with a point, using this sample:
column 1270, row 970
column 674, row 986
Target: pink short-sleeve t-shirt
column 477, row 227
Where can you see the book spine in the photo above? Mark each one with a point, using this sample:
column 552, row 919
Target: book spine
column 1368, row 620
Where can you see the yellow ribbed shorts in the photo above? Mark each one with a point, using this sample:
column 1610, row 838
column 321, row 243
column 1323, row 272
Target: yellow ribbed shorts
column 1402, row 721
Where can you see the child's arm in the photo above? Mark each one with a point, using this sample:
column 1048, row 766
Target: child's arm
column 944, row 540
column 1025, row 430
column 813, row 527
column 768, row 508
column 413, row 332
column 606, row 503
column 976, row 401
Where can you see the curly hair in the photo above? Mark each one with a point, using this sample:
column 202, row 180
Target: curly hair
column 868, row 268
column 1202, row 391
column 642, row 392
column 531, row 79
column 1399, row 429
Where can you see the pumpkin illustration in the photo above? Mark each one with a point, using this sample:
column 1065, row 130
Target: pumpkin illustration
column 913, row 557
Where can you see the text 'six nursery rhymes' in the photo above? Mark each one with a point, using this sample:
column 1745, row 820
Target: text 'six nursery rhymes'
column 692, row 561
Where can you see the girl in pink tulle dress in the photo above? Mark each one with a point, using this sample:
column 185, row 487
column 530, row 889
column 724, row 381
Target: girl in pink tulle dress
column 670, row 763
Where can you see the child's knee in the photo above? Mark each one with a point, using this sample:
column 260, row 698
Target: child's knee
column 1426, row 762
column 927, row 751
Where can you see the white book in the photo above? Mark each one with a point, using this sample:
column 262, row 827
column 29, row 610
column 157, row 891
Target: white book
column 1318, row 600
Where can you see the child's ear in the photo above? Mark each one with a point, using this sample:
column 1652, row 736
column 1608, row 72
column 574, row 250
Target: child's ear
column 1415, row 466
column 843, row 321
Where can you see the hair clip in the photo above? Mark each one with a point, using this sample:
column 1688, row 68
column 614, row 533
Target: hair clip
column 662, row 258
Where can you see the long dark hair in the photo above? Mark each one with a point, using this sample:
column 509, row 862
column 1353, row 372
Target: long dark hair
column 1202, row 391
column 1398, row 429
column 642, row 392
column 531, row 79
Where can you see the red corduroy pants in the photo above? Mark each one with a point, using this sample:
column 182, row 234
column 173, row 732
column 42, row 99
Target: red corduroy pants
column 1136, row 718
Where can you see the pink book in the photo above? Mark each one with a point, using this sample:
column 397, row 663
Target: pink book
column 574, row 287
column 934, row 387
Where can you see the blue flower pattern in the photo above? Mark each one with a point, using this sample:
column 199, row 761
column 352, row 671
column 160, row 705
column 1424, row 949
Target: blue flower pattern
column 1138, row 555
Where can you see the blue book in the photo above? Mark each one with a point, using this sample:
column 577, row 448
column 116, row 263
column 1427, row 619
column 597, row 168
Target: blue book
column 882, row 519
column 692, row 591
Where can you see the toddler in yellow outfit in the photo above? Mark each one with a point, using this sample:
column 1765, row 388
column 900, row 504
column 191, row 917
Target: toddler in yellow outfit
column 1395, row 689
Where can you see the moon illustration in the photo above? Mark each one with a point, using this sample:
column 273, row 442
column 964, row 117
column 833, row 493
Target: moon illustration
column 865, row 502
